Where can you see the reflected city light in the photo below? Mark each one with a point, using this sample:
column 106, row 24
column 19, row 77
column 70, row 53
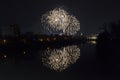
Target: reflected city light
column 41, row 40
column 60, row 59
column 48, row 47
column 93, row 42
column 5, row 56
column 24, row 52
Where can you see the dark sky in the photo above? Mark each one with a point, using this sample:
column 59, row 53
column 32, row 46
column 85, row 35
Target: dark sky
column 27, row 13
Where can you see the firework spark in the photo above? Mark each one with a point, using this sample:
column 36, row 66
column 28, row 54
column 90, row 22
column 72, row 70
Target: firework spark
column 60, row 59
column 58, row 20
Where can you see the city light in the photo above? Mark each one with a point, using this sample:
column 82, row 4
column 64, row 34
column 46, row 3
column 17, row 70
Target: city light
column 24, row 40
column 81, row 34
column 4, row 40
column 92, row 37
column 54, row 38
column 48, row 39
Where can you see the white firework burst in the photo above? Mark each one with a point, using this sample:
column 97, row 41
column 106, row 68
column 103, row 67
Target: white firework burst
column 59, row 20
column 60, row 59
column 73, row 26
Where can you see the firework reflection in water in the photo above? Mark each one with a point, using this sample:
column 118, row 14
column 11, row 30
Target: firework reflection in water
column 60, row 59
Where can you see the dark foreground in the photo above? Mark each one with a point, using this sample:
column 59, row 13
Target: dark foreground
column 79, row 61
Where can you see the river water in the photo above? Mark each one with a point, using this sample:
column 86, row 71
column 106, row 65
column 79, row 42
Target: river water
column 81, row 61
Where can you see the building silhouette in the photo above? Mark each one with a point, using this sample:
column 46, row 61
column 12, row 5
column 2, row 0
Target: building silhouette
column 15, row 30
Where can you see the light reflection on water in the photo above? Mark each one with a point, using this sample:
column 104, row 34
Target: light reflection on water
column 55, row 58
column 62, row 58
column 61, row 62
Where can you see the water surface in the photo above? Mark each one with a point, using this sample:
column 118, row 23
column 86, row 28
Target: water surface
column 81, row 61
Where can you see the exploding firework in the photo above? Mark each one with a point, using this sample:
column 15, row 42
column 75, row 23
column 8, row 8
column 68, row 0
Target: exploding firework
column 60, row 59
column 60, row 21
column 73, row 26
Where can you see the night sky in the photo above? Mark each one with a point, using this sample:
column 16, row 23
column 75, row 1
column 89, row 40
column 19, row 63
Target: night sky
column 27, row 13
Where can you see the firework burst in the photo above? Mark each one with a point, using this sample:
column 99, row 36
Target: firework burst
column 59, row 20
column 60, row 59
